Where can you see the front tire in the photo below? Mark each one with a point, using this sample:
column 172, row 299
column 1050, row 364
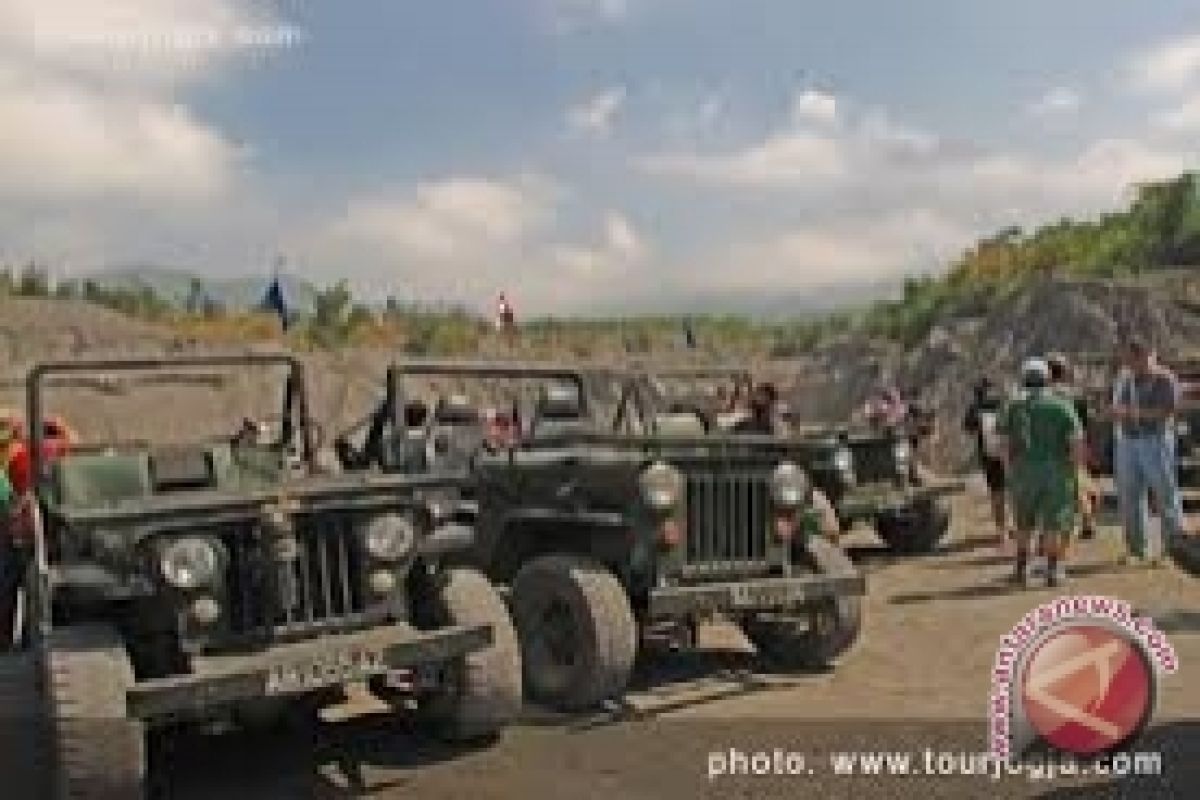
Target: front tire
column 916, row 530
column 483, row 691
column 99, row 751
column 818, row 634
column 578, row 633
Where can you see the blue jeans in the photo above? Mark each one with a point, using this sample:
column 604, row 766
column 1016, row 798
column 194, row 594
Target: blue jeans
column 1141, row 464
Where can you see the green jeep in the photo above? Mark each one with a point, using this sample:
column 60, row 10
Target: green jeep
column 869, row 475
column 612, row 519
column 228, row 579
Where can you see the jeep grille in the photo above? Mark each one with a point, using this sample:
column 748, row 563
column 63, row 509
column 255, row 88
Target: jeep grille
column 327, row 579
column 874, row 460
column 727, row 519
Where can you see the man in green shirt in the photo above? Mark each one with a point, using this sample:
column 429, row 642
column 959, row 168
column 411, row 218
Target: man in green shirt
column 7, row 500
column 1045, row 449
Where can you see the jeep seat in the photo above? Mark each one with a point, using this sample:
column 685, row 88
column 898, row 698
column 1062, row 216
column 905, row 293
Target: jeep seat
column 88, row 480
column 559, row 410
column 683, row 424
column 457, row 432
column 455, row 410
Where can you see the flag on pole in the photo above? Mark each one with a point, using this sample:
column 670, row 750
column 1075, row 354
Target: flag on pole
column 274, row 301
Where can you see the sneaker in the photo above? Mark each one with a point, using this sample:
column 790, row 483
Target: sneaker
column 1056, row 575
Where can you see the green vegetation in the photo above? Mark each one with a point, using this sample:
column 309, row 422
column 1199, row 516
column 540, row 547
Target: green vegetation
column 1160, row 229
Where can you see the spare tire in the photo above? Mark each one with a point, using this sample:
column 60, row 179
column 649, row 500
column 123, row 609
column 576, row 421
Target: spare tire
column 100, row 752
column 24, row 765
column 483, row 690
column 817, row 635
column 916, row 530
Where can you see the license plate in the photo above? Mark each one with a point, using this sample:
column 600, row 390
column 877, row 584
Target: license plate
column 750, row 596
column 338, row 667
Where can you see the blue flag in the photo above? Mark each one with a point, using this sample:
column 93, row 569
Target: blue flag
column 274, row 301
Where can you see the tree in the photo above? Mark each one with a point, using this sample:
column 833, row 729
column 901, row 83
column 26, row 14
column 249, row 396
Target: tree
column 33, row 281
column 330, row 324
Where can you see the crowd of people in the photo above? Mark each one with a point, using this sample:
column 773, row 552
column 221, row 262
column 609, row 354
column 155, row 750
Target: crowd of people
column 1033, row 449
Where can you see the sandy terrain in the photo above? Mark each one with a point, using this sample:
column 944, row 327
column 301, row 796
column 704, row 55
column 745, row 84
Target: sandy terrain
column 917, row 679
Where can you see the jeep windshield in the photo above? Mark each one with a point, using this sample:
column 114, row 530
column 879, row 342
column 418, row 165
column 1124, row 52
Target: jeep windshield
column 252, row 399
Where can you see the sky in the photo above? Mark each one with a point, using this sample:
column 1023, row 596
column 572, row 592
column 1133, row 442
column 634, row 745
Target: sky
column 586, row 156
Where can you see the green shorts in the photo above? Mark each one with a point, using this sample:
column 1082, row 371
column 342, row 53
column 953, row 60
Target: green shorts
column 1045, row 497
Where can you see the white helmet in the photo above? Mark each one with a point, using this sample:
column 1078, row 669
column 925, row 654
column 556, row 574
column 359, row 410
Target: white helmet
column 1035, row 372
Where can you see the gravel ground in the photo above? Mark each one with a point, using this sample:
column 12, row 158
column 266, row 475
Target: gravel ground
column 917, row 679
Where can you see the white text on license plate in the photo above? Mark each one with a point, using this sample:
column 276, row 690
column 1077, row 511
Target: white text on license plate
column 341, row 666
column 748, row 596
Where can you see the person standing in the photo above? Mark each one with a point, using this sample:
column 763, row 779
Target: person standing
column 506, row 317
column 1062, row 380
column 762, row 417
column 1144, row 406
column 1044, row 449
column 981, row 421
column 14, row 546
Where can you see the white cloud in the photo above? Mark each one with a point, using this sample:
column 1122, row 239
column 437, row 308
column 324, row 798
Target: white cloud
column 1169, row 66
column 1094, row 178
column 91, row 101
column 621, row 247
column 870, row 154
column 70, row 140
column 1184, row 118
column 864, row 249
column 622, row 238
column 784, row 160
column 1060, row 101
column 813, row 105
column 572, row 16
column 446, row 220
column 596, row 115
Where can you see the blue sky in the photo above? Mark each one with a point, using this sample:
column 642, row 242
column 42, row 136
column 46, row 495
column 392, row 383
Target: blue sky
column 585, row 155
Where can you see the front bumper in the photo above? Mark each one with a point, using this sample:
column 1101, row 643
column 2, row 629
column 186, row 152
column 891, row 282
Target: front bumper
column 867, row 501
column 219, row 682
column 759, row 594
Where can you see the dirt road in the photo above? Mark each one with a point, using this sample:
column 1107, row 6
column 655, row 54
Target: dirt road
column 919, row 678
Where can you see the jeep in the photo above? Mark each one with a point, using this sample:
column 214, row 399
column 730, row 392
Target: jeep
column 869, row 475
column 611, row 521
column 228, row 579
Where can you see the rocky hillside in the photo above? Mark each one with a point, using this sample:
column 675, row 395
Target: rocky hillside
column 1071, row 316
column 1075, row 316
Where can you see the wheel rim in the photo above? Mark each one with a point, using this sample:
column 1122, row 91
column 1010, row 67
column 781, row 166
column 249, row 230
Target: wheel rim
column 559, row 636
column 553, row 645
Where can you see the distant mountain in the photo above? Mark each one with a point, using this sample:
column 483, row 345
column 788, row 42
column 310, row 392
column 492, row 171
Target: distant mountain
column 766, row 304
column 174, row 286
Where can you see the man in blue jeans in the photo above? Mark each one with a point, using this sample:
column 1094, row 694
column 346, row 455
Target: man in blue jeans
column 1144, row 405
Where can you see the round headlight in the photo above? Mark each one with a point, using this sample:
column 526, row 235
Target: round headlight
column 789, row 485
column 189, row 563
column 391, row 537
column 662, row 486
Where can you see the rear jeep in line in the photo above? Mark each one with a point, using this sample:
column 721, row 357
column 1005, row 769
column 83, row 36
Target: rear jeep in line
column 611, row 518
column 228, row 579
column 870, row 475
